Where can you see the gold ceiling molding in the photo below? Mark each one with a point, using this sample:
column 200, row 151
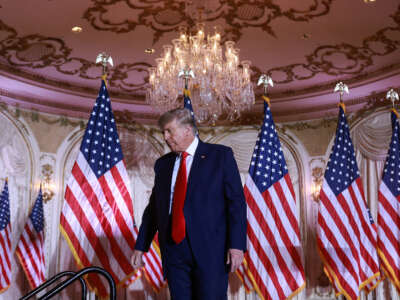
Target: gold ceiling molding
column 372, row 103
column 300, row 126
column 118, row 77
column 126, row 121
column 368, row 101
column 37, row 51
column 162, row 16
column 18, row 53
column 376, row 102
column 51, row 83
column 166, row 16
column 375, row 75
column 36, row 116
column 123, row 123
column 28, row 101
column 127, row 117
column 34, row 51
column 358, row 57
column 8, row 33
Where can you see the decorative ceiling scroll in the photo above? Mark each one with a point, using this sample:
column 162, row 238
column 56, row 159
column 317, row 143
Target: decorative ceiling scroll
column 166, row 16
column 28, row 55
column 37, row 52
column 353, row 59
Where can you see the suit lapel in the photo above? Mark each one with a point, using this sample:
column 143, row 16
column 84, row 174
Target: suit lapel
column 169, row 169
column 166, row 177
column 195, row 170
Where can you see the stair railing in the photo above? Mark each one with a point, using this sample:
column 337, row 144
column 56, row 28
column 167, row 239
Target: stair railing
column 54, row 279
column 73, row 277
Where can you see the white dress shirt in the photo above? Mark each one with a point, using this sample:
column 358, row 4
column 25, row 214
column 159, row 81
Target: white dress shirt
column 189, row 160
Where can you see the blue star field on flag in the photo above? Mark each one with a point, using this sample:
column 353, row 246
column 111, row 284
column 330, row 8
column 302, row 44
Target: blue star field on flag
column 187, row 103
column 4, row 207
column 391, row 171
column 101, row 146
column 36, row 215
column 342, row 168
column 268, row 164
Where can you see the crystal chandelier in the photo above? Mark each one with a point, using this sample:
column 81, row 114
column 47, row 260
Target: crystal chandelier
column 220, row 86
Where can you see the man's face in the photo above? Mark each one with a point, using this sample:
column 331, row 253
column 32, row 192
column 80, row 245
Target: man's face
column 178, row 136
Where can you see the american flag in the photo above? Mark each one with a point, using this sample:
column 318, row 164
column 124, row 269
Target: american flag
column 389, row 210
column 273, row 235
column 30, row 248
column 244, row 275
column 187, row 103
column 97, row 216
column 5, row 242
column 153, row 267
column 346, row 236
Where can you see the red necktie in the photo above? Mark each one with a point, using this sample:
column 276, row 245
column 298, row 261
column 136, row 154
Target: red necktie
column 178, row 219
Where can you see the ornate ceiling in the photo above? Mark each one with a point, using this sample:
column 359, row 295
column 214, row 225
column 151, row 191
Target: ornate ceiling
column 306, row 46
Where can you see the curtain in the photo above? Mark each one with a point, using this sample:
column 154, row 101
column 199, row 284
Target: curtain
column 371, row 138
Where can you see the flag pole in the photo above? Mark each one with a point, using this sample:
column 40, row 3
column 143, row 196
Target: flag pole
column 341, row 88
column 268, row 175
column 186, row 73
column 341, row 191
column 266, row 81
column 104, row 59
column 393, row 96
column 388, row 189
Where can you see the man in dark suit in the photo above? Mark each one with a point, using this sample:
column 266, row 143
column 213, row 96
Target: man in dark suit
column 198, row 208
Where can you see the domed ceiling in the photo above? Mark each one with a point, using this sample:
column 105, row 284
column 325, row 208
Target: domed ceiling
column 306, row 46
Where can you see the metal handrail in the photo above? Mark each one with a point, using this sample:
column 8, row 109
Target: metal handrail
column 78, row 275
column 52, row 280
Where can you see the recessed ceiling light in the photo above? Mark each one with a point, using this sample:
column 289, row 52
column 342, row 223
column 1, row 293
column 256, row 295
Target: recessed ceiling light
column 369, row 1
column 76, row 29
column 149, row 50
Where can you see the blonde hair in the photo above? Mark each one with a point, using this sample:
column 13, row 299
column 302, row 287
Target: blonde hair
column 182, row 115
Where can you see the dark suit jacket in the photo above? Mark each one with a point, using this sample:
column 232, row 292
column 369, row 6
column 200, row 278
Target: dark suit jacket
column 215, row 207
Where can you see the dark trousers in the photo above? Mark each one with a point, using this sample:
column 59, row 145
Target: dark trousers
column 187, row 279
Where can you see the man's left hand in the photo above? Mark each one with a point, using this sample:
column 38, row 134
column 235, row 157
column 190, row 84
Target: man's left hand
column 235, row 258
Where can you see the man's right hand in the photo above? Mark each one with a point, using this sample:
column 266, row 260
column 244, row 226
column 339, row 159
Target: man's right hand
column 137, row 259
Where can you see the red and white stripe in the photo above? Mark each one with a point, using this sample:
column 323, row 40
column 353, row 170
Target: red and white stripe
column 153, row 267
column 274, row 246
column 347, row 240
column 389, row 233
column 97, row 221
column 5, row 256
column 244, row 275
column 30, row 252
